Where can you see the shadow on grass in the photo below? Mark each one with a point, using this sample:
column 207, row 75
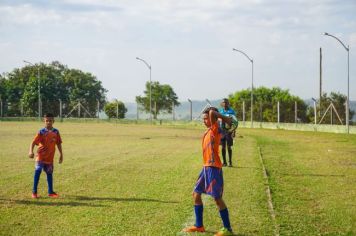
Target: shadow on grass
column 39, row 202
column 114, row 199
column 207, row 232
column 241, row 167
column 311, row 175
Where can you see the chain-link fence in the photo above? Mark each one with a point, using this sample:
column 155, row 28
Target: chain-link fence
column 186, row 111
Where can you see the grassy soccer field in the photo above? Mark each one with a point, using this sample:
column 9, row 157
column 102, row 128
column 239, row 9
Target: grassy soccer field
column 121, row 179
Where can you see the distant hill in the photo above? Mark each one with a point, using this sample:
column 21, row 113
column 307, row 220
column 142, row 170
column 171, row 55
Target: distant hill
column 182, row 112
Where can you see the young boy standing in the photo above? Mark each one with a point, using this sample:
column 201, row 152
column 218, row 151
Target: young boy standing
column 210, row 180
column 46, row 140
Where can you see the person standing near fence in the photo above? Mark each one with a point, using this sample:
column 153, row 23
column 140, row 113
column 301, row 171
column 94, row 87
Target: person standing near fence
column 227, row 138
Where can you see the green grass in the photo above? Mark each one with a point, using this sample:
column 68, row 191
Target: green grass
column 126, row 179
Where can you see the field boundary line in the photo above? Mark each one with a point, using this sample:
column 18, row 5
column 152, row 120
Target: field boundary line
column 269, row 195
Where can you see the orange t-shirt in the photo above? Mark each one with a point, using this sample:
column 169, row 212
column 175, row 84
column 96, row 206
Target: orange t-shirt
column 211, row 142
column 47, row 141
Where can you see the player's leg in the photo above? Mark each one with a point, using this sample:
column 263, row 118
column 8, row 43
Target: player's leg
column 217, row 191
column 48, row 168
column 223, row 149
column 36, row 179
column 198, row 204
column 230, row 143
column 224, row 214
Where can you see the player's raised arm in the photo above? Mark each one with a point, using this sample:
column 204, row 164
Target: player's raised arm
column 214, row 115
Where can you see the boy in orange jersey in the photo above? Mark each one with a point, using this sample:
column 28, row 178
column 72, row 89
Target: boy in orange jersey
column 210, row 180
column 46, row 139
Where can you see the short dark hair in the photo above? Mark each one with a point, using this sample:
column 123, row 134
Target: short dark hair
column 225, row 100
column 206, row 110
column 48, row 115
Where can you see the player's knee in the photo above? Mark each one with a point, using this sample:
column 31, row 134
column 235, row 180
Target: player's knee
column 197, row 198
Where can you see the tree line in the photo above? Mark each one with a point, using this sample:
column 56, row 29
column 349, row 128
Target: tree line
column 266, row 100
column 73, row 88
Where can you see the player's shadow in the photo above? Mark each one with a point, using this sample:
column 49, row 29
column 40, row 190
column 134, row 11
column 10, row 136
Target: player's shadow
column 39, row 202
column 114, row 199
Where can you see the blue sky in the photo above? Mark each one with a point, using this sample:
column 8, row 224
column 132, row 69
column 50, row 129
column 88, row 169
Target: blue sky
column 188, row 43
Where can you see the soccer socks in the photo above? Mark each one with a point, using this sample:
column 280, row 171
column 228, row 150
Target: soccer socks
column 36, row 180
column 225, row 218
column 198, row 209
column 50, row 183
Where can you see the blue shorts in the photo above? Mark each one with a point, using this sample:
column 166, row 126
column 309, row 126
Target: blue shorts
column 48, row 168
column 211, row 182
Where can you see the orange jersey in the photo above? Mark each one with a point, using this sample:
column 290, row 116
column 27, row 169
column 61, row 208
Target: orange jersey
column 47, row 141
column 211, row 142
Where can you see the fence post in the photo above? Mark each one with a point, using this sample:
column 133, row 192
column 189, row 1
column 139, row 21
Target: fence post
column 173, row 115
column 278, row 110
column 117, row 110
column 243, row 112
column 314, row 112
column 21, row 103
column 60, row 109
column 1, row 107
column 79, row 105
column 296, row 111
column 98, row 107
column 136, row 111
column 191, row 109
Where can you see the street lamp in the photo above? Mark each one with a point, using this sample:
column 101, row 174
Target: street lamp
column 348, row 78
column 149, row 67
column 39, row 89
column 251, row 60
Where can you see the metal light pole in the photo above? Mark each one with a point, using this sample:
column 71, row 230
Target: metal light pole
column 251, row 60
column 39, row 88
column 150, row 68
column 348, row 79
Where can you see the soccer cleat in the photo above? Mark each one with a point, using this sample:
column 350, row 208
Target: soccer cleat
column 53, row 195
column 34, row 195
column 224, row 232
column 230, row 165
column 194, row 229
column 224, row 164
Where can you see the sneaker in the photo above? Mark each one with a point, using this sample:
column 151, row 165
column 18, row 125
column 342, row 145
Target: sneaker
column 35, row 195
column 224, row 232
column 194, row 229
column 53, row 195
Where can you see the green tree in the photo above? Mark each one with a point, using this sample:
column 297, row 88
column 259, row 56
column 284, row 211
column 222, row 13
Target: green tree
column 115, row 109
column 19, row 90
column 265, row 105
column 163, row 97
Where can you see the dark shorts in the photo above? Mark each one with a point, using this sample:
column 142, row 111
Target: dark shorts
column 210, row 181
column 226, row 138
column 48, row 168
